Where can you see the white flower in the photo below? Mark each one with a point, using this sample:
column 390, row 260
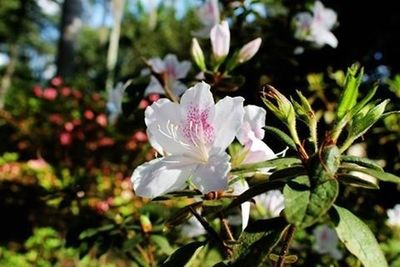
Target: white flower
column 317, row 28
column 394, row 216
column 270, row 204
column 193, row 228
column 326, row 242
column 249, row 50
column 220, row 40
column 114, row 102
column 251, row 134
column 192, row 137
column 208, row 15
column 171, row 70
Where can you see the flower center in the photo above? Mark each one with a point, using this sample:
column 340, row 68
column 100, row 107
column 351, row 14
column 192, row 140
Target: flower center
column 198, row 131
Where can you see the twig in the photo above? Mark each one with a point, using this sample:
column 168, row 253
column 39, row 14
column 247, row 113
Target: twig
column 286, row 245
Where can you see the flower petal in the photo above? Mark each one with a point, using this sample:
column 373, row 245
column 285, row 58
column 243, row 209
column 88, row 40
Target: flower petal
column 253, row 123
column 154, row 87
column 160, row 176
column 228, row 119
column 220, row 39
column 162, row 119
column 157, row 65
column 322, row 36
column 212, row 175
column 238, row 188
column 258, row 151
column 199, row 96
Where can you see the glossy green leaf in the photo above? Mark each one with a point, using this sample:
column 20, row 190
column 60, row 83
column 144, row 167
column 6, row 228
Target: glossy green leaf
column 182, row 255
column 363, row 162
column 380, row 175
column 305, row 204
column 281, row 135
column 358, row 238
column 348, row 98
column 356, row 181
column 273, row 163
column 254, row 246
column 288, row 173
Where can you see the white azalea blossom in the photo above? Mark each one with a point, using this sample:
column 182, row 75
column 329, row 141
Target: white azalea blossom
column 114, row 102
column 326, row 242
column 251, row 134
column 220, row 40
column 270, row 204
column 192, row 137
column 394, row 216
column 172, row 70
column 317, row 27
column 208, row 15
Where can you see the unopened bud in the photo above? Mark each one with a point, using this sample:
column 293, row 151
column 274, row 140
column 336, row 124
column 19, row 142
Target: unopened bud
column 197, row 54
column 249, row 50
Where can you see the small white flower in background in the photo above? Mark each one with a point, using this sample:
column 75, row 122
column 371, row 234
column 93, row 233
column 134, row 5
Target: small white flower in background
column 171, row 70
column 193, row 228
column 317, row 28
column 220, row 40
column 208, row 15
column 270, row 204
column 251, row 134
column 114, row 102
column 326, row 241
column 192, row 137
column 394, row 216
column 249, row 50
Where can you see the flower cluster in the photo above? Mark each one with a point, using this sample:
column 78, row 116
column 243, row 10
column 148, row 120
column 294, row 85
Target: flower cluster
column 192, row 138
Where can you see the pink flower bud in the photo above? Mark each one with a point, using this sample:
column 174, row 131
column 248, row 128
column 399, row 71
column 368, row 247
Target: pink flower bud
column 220, row 40
column 249, row 50
column 65, row 138
column 102, row 120
column 56, row 81
column 65, row 91
column 88, row 114
column 37, row 91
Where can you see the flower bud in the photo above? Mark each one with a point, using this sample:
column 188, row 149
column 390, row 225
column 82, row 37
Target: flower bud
column 249, row 50
column 197, row 54
column 220, row 40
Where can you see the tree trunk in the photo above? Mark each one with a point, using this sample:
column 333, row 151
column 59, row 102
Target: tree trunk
column 69, row 29
column 112, row 55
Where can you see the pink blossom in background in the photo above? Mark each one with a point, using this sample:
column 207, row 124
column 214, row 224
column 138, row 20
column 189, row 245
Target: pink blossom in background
column 102, row 120
column 77, row 94
column 56, row 81
column 88, row 114
column 56, row 119
column 37, row 91
column 65, row 138
column 106, row 141
column 143, row 104
column 153, row 97
column 50, row 94
column 65, row 91
column 37, row 164
column 140, row 136
column 69, row 126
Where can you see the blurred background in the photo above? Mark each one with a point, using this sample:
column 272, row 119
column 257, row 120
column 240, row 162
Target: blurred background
column 66, row 155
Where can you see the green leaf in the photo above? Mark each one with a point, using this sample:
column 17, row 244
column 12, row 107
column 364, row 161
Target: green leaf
column 358, row 238
column 182, row 255
column 254, row 246
column 349, row 96
column 380, row 175
column 162, row 243
column 356, row 181
column 364, row 162
column 281, row 136
column 288, row 173
column 304, row 203
column 273, row 163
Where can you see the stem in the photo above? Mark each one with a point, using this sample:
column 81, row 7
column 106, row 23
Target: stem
column 226, row 227
column 168, row 90
column 347, row 143
column 313, row 133
column 211, row 232
column 286, row 245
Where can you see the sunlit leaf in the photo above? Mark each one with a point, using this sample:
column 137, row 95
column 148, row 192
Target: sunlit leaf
column 358, row 238
column 364, row 162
